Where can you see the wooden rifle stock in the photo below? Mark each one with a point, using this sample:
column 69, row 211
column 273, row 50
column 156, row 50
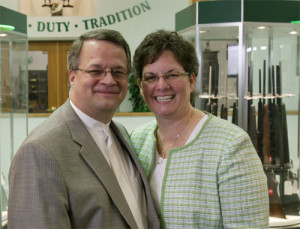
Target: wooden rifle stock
column 276, row 209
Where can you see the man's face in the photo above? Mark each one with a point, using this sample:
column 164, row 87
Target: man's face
column 99, row 97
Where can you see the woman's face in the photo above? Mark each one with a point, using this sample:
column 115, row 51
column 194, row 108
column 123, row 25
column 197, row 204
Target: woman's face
column 167, row 98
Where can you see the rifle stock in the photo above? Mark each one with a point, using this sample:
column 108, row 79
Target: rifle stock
column 224, row 112
column 235, row 114
column 276, row 209
column 214, row 110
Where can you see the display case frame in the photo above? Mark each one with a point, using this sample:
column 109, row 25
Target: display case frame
column 13, row 94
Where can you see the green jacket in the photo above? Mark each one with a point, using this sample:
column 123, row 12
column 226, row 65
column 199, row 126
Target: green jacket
column 215, row 181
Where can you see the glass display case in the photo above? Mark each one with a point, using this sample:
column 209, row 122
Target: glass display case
column 13, row 94
column 249, row 54
column 38, row 81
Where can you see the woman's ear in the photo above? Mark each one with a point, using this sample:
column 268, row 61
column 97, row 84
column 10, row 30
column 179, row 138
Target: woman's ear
column 140, row 86
column 192, row 81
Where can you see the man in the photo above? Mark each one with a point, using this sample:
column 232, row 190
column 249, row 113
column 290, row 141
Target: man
column 77, row 169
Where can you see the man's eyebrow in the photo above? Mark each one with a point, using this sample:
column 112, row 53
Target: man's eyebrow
column 100, row 66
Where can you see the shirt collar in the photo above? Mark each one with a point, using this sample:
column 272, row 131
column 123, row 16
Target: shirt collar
column 89, row 122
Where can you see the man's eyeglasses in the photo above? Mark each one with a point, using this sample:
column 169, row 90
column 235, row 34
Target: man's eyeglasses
column 100, row 73
column 170, row 76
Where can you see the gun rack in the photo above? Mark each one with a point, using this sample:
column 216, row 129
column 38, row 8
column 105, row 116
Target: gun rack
column 249, row 72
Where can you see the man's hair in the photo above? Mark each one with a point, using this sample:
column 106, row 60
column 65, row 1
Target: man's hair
column 154, row 44
column 101, row 35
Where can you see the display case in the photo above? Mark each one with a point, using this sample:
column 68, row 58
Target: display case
column 13, row 94
column 38, row 81
column 249, row 55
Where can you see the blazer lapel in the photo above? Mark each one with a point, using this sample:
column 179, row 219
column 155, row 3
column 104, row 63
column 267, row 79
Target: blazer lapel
column 122, row 135
column 92, row 155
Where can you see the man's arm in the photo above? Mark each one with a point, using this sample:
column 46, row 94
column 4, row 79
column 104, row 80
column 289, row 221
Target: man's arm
column 37, row 193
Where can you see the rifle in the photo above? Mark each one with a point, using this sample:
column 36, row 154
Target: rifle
column 260, row 120
column 224, row 110
column 214, row 110
column 264, row 82
column 208, row 105
column 276, row 138
column 290, row 197
column 251, row 110
column 271, row 106
column 286, row 154
column 276, row 208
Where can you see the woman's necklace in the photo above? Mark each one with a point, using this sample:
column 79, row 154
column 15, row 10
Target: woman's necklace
column 162, row 155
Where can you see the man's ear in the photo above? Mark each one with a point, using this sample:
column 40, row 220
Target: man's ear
column 71, row 77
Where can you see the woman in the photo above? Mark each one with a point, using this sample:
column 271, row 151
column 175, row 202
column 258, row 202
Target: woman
column 203, row 171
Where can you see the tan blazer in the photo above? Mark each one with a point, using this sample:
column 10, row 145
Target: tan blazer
column 60, row 179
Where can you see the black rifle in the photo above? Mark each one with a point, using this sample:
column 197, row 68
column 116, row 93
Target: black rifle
column 214, row 109
column 282, row 112
column 260, row 121
column 276, row 138
column 251, row 110
column 276, row 128
column 224, row 109
column 290, row 198
column 208, row 105
column 272, row 119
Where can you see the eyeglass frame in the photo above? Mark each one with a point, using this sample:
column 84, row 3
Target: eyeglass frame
column 103, row 73
column 165, row 77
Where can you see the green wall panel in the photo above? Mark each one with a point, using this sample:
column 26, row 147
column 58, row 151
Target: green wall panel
column 219, row 11
column 16, row 19
column 185, row 18
column 271, row 11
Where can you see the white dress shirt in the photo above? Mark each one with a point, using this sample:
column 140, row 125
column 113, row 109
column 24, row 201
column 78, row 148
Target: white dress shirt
column 121, row 165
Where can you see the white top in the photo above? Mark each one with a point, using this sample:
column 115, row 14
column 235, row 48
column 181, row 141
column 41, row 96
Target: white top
column 160, row 167
column 120, row 163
